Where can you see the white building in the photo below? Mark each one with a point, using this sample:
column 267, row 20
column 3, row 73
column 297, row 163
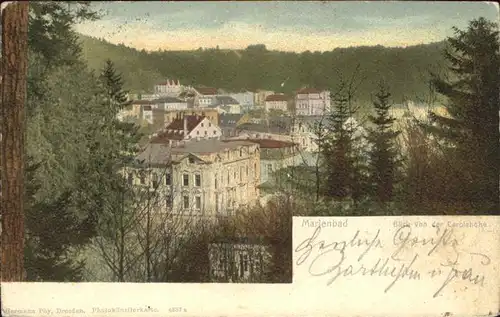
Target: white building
column 200, row 178
column 276, row 102
column 188, row 127
column 312, row 102
column 170, row 88
column 204, row 96
column 169, row 103
column 245, row 99
column 227, row 104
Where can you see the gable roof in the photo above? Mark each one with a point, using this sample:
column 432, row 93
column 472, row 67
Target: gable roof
column 177, row 129
column 276, row 98
column 229, row 119
column 226, row 100
column 206, row 90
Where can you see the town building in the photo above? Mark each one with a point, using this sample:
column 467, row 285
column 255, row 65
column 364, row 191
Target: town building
column 260, row 97
column 169, row 103
column 226, row 104
column 239, row 260
column 229, row 122
column 276, row 102
column 311, row 102
column 200, row 177
column 204, row 96
column 211, row 114
column 171, row 88
column 276, row 155
column 187, row 127
column 245, row 99
column 147, row 114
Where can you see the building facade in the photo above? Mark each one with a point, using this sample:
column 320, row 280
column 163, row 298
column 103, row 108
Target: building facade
column 187, row 127
column 170, row 88
column 312, row 102
column 276, row 102
column 260, row 97
column 204, row 96
column 169, row 103
column 245, row 99
column 211, row 114
column 201, row 178
column 238, row 260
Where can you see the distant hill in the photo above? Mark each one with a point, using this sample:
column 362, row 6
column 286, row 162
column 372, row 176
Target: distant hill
column 406, row 70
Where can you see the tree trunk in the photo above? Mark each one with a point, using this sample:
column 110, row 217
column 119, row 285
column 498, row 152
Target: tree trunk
column 14, row 72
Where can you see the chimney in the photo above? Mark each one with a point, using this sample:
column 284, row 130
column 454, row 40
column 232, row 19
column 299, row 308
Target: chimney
column 185, row 126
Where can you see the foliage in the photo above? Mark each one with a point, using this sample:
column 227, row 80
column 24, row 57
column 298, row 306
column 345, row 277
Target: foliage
column 257, row 68
column 383, row 152
column 469, row 134
column 54, row 231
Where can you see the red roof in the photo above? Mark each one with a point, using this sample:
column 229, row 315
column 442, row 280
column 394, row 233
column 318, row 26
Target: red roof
column 308, row 91
column 276, row 98
column 271, row 144
column 207, row 90
column 176, row 129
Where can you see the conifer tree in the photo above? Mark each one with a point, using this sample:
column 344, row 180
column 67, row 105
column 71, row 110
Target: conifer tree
column 336, row 150
column 383, row 152
column 53, row 231
column 470, row 131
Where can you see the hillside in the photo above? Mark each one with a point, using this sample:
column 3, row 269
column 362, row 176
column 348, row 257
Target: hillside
column 404, row 69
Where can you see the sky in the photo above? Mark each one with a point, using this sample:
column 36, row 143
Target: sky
column 281, row 25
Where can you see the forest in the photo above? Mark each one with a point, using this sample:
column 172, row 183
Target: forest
column 76, row 148
column 406, row 70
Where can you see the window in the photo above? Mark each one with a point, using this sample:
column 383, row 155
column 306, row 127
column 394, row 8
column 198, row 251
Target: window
column 269, row 168
column 247, row 170
column 197, row 180
column 130, row 179
column 191, row 160
column 185, row 202
column 168, row 201
column 155, row 180
column 168, row 179
column 215, row 132
column 202, row 125
column 197, row 132
column 241, row 173
column 209, row 124
column 198, row 202
column 215, row 181
column 241, row 152
column 143, row 179
column 245, row 262
column 185, row 180
column 234, row 174
column 228, row 178
column 206, row 132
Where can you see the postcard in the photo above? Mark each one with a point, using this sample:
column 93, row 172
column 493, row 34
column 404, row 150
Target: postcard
column 249, row 158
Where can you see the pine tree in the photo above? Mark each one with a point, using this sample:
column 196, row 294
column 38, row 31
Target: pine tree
column 383, row 152
column 336, row 150
column 470, row 132
column 54, row 231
